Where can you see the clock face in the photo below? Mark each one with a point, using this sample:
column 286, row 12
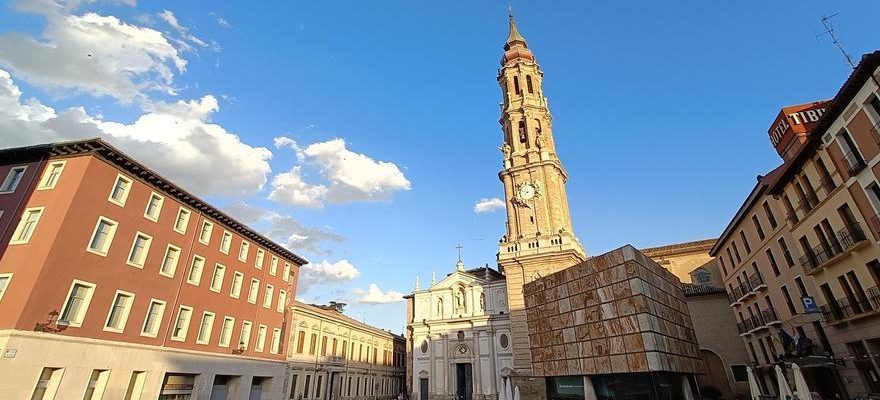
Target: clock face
column 527, row 191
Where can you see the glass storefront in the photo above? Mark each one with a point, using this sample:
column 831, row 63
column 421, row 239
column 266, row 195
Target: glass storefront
column 637, row 386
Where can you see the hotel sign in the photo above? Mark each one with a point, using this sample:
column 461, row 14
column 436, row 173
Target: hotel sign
column 795, row 121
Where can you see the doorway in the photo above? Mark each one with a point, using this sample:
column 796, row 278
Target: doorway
column 423, row 389
column 464, row 386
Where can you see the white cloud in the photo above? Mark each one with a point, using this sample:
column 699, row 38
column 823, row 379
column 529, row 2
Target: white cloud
column 289, row 188
column 326, row 272
column 284, row 229
column 96, row 54
column 349, row 176
column 488, row 205
column 223, row 22
column 186, row 37
column 374, row 295
column 176, row 139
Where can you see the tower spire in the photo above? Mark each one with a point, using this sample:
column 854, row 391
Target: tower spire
column 514, row 37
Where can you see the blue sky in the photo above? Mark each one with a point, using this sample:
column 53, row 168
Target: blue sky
column 362, row 134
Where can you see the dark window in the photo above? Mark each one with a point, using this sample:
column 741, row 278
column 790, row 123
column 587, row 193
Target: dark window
column 786, row 253
column 742, row 235
column 770, row 217
column 516, row 85
column 529, row 84
column 752, row 351
column 736, row 252
column 875, row 104
column 772, row 261
column 308, row 386
column 758, row 226
column 801, row 288
column 789, row 210
column 788, row 301
column 764, row 352
column 739, row 373
column 318, row 386
column 723, row 267
column 293, row 387
column 826, row 182
column 826, row 345
column 874, row 267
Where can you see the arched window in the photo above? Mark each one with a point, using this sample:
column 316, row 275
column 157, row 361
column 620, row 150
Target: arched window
column 516, row 85
column 529, row 84
column 522, row 132
column 440, row 307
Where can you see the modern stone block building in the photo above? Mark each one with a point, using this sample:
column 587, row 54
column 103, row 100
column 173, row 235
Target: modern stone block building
column 333, row 356
column 115, row 283
column 617, row 322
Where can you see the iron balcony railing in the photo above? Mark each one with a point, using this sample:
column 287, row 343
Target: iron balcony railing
column 769, row 316
column 848, row 238
column 741, row 327
column 756, row 281
column 827, row 184
column 841, row 309
column 854, row 162
column 850, row 235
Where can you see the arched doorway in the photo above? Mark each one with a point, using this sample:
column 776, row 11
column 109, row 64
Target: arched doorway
column 716, row 375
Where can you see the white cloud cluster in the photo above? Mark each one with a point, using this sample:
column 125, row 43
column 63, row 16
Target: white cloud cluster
column 326, row 272
column 92, row 53
column 350, row 176
column 187, row 39
column 374, row 295
column 283, row 229
column 488, row 205
column 177, row 139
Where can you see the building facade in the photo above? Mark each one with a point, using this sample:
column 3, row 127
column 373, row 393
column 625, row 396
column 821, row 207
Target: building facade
column 833, row 180
column 800, row 257
column 462, row 345
column 690, row 262
column 332, row 356
column 116, row 283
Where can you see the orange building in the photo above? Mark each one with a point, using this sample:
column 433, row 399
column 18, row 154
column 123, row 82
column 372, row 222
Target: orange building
column 115, row 282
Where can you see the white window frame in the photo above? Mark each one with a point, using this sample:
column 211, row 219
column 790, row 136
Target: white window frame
column 268, row 294
column 286, row 272
column 139, row 263
column 210, row 230
column 273, row 266
column 275, row 347
column 243, row 250
column 198, row 278
column 165, row 258
column 23, row 169
column 44, row 181
column 259, row 258
column 177, row 228
column 185, row 328
column 86, row 302
column 237, row 276
column 16, row 239
column 102, row 252
column 254, row 294
column 125, row 192
column 8, row 277
column 222, row 269
column 282, row 299
column 125, row 312
column 228, row 337
column 243, row 336
column 262, row 332
column 161, row 201
column 224, row 244
column 202, row 325
column 159, row 316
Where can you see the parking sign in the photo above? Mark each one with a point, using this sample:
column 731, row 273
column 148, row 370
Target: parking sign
column 810, row 306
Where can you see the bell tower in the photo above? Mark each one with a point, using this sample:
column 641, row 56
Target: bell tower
column 539, row 239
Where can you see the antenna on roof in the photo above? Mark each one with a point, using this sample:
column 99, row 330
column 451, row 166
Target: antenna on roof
column 829, row 30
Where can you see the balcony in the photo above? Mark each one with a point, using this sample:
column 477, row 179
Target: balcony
column 746, row 327
column 850, row 238
column 875, row 132
column 757, row 322
column 770, row 317
column 854, row 163
column 827, row 185
column 848, row 309
column 756, row 281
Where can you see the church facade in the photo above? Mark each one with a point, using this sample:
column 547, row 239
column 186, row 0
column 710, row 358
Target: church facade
column 460, row 335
